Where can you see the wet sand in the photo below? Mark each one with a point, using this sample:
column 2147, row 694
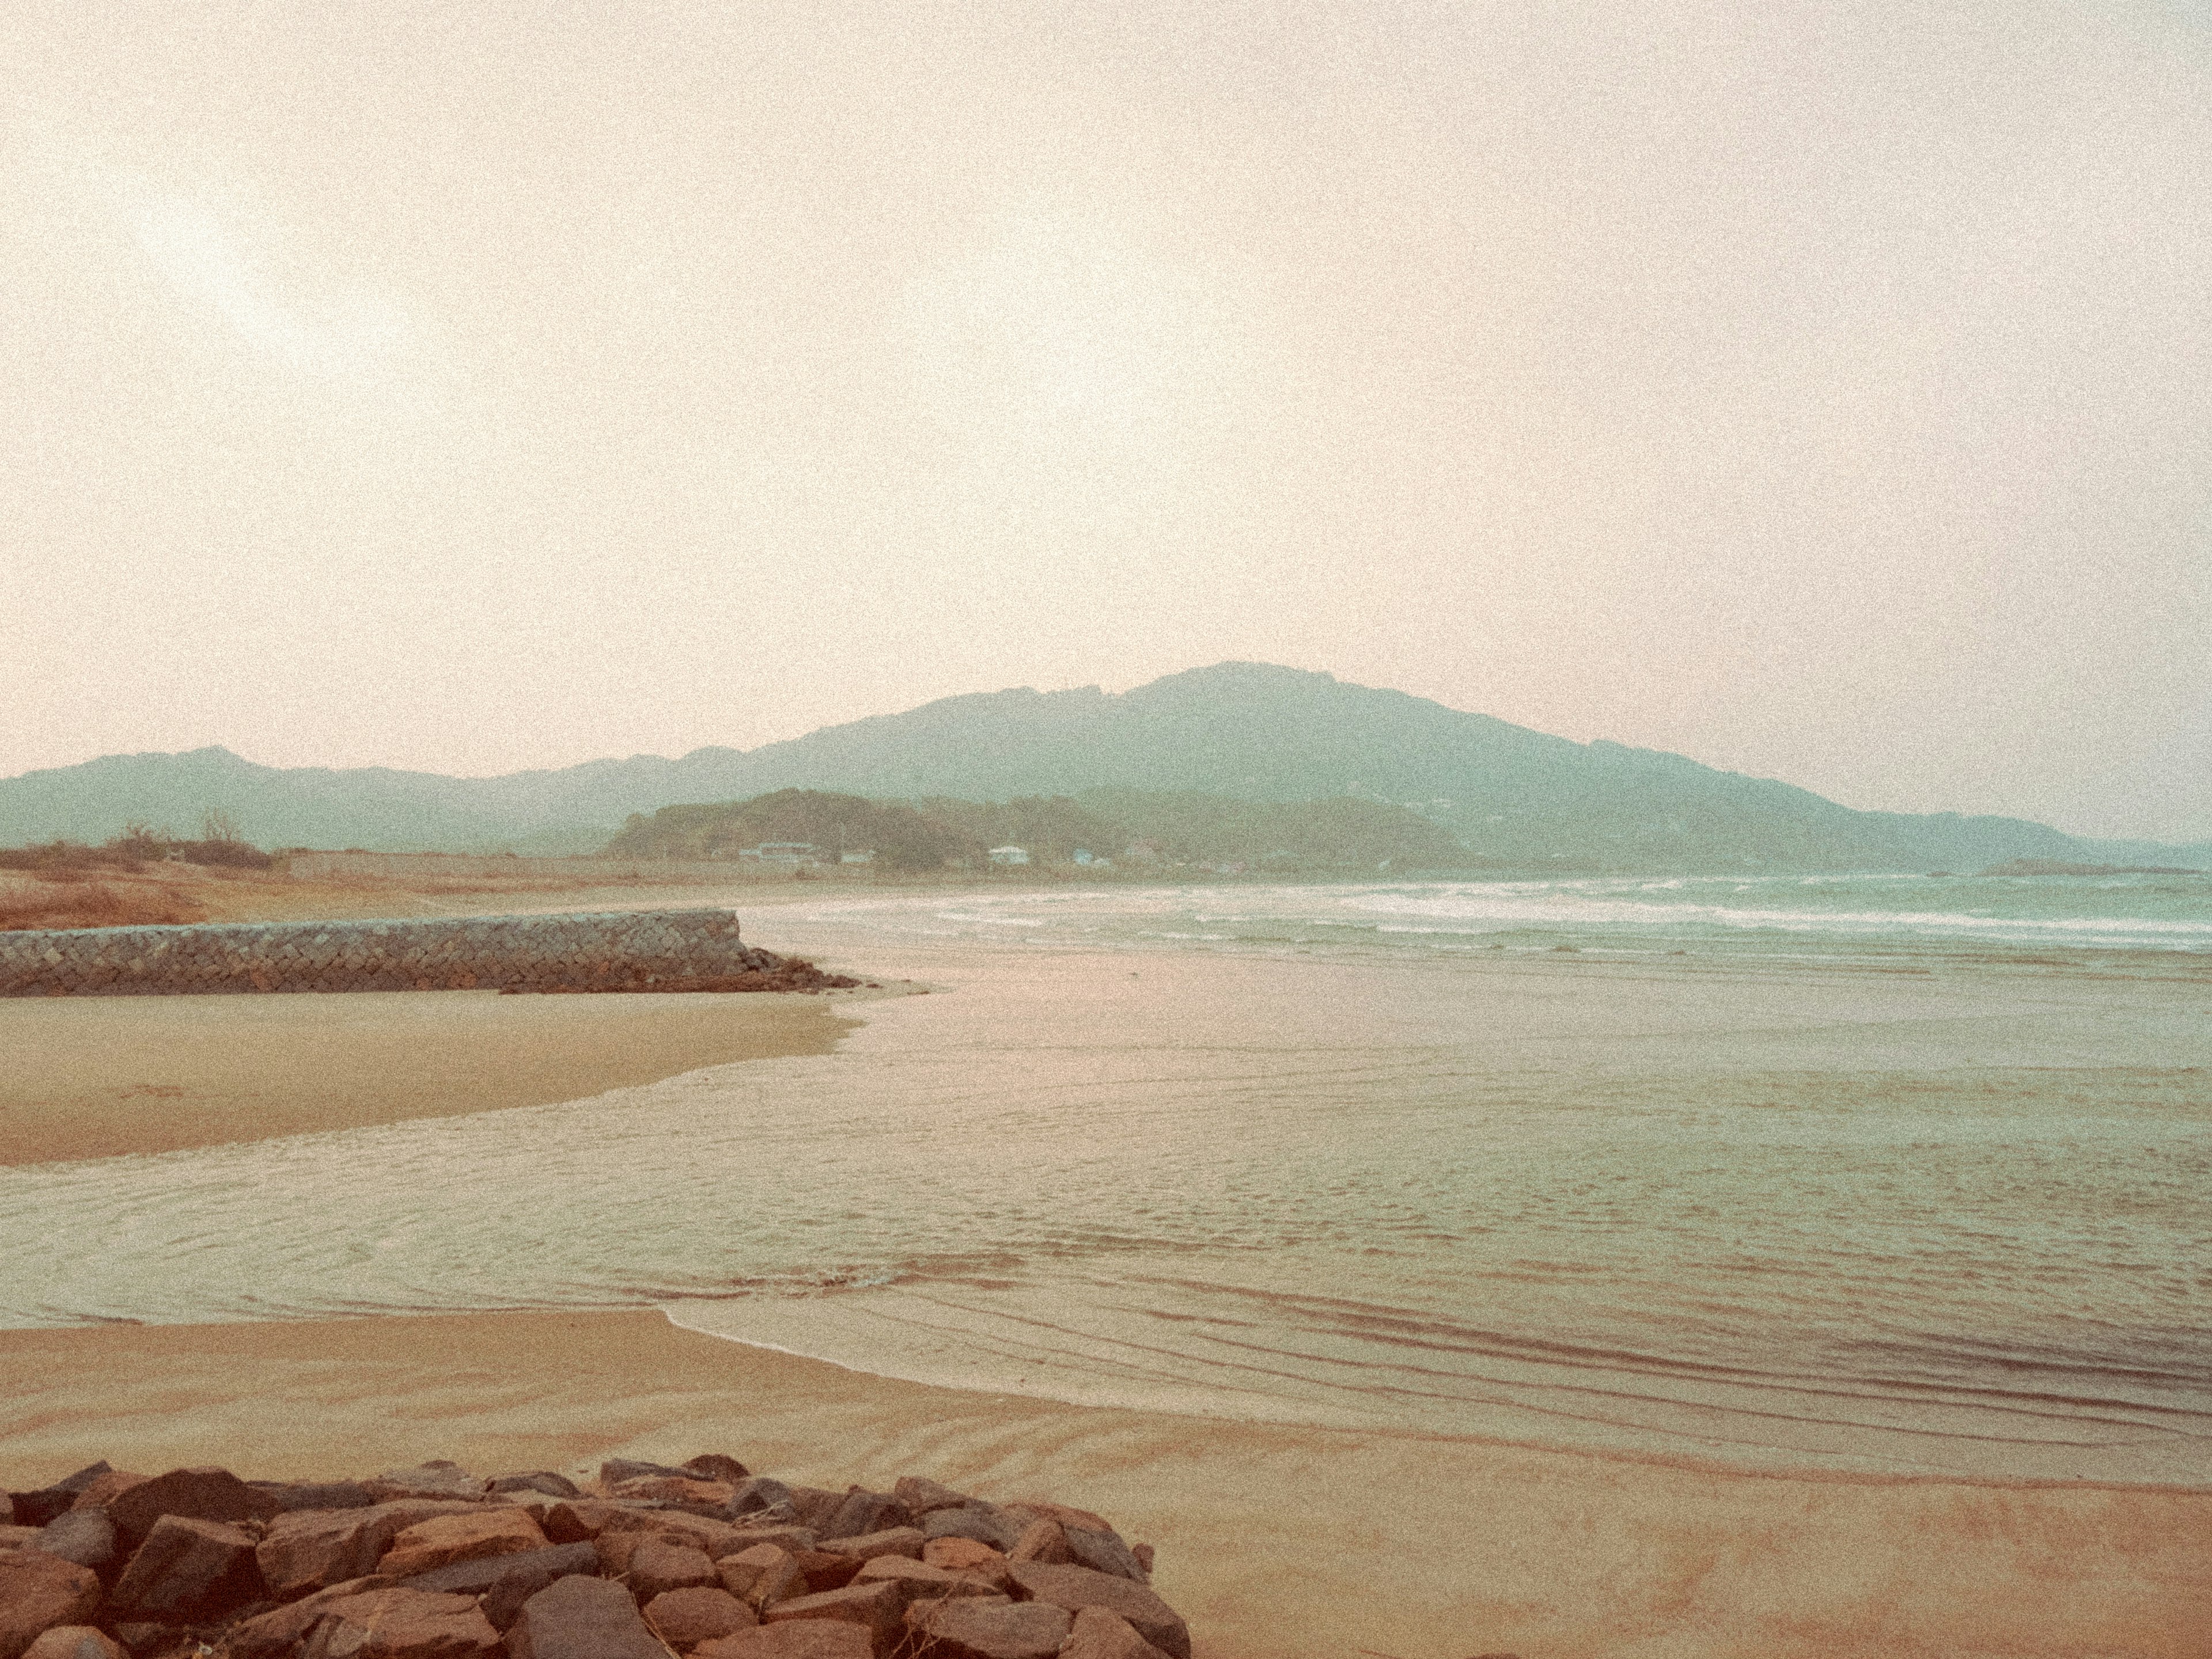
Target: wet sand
column 1274, row 1540
column 99, row 1077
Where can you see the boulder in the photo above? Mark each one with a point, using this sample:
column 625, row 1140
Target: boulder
column 875, row 1607
column 974, row 1629
column 104, row 1487
column 1099, row 1634
column 1044, row 1540
column 445, row 1539
column 401, row 1624
column 308, row 1550
column 36, row 1507
column 545, row 1480
column 582, row 1619
column 188, row 1494
column 568, row 1523
column 918, row 1581
column 809, row 1638
column 316, row 1494
column 685, row 1618
column 756, row 1491
column 84, row 1536
column 863, row 1512
column 188, row 1569
column 717, row 1538
column 73, row 1642
column 921, row 1496
column 658, row 1566
column 713, row 1465
column 277, row 1632
column 503, row 1602
column 814, row 1507
column 705, row 1496
column 792, row 1538
column 477, row 1576
column 1076, row 1587
column 966, row 1555
column 825, row 1571
column 436, row 1479
column 895, row 1541
column 1027, row 1509
column 616, row 1470
column 1090, row 1540
column 983, row 1522
column 759, row 1577
column 38, row 1592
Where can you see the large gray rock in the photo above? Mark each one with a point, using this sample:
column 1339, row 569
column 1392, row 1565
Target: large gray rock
column 188, row 1569
column 84, row 1536
column 582, row 1619
column 984, row 1522
column 979, row 1629
column 865, row 1512
column 756, row 1493
column 921, row 1496
column 190, row 1495
column 1078, row 1588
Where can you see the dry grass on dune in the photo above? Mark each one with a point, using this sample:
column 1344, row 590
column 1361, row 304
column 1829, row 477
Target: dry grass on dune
column 77, row 898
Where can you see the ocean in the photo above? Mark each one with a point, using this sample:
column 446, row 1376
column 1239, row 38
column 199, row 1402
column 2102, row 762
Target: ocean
column 1903, row 1174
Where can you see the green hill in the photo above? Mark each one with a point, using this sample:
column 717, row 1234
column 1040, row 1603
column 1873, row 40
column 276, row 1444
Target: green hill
column 1244, row 731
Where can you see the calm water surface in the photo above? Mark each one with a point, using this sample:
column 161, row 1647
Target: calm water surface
column 1880, row 1174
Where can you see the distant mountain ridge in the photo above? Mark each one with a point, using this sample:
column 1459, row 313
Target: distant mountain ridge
column 1245, row 731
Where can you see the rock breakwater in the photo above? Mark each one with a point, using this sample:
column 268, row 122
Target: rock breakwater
column 618, row 951
column 704, row 1559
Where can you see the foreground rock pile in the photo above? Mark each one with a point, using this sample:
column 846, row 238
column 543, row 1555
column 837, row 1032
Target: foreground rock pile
column 707, row 1559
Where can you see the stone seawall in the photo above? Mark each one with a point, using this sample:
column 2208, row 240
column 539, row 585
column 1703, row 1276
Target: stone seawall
column 585, row 951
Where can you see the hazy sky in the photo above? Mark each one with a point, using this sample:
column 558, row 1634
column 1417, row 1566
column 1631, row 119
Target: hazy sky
column 1819, row 390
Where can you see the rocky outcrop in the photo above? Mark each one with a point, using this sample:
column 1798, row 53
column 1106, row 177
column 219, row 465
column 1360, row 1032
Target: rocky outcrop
column 702, row 1559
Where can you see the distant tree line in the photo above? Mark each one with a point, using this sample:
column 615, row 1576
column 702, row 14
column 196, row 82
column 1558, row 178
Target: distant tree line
column 219, row 844
column 1128, row 826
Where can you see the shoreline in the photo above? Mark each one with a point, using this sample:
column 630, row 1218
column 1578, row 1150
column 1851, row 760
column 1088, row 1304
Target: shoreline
column 109, row 1077
column 1274, row 1540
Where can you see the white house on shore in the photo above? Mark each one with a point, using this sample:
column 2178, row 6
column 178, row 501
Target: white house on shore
column 1010, row 855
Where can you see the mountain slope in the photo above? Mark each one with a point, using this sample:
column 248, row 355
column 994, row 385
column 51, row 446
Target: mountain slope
column 1244, row 730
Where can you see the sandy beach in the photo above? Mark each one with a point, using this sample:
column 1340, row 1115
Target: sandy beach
column 102, row 1076
column 1274, row 1540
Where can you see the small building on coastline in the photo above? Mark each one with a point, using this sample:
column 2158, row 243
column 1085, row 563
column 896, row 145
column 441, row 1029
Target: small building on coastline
column 1010, row 855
